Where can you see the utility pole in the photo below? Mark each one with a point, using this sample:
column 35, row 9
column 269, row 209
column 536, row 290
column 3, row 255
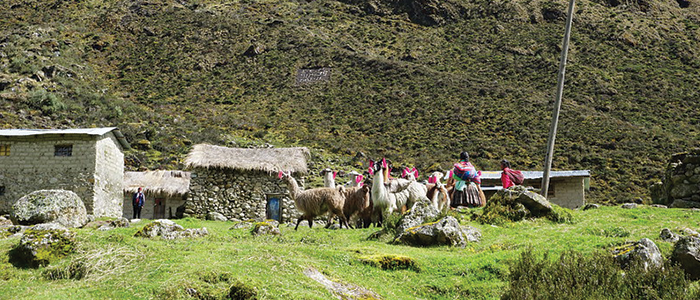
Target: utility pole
column 557, row 101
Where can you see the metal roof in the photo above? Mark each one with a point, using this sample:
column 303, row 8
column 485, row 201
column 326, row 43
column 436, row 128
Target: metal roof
column 82, row 131
column 538, row 174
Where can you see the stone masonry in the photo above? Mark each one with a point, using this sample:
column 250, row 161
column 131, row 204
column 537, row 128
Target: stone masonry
column 236, row 194
column 680, row 186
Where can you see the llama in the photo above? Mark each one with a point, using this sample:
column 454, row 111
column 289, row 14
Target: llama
column 328, row 177
column 437, row 192
column 358, row 202
column 316, row 202
column 389, row 196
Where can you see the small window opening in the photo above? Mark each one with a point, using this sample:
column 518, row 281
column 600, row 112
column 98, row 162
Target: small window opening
column 63, row 150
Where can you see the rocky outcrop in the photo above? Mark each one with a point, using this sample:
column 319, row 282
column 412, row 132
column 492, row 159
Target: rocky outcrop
column 686, row 253
column 667, row 235
column 105, row 225
column 42, row 244
column 45, row 206
column 445, row 232
column 418, row 215
column 267, row 227
column 680, row 185
column 169, row 230
column 644, row 251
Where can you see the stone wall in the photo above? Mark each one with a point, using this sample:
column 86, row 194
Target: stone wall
column 33, row 166
column 236, row 194
column 680, row 186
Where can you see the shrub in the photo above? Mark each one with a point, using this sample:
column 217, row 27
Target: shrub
column 592, row 276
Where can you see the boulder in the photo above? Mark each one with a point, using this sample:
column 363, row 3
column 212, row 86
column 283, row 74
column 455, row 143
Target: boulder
column 42, row 244
column 45, row 206
column 644, row 251
column 215, row 216
column 243, row 224
column 686, row 253
column 667, row 236
column 108, row 224
column 629, row 205
column 472, row 234
column 537, row 204
column 419, row 214
column 591, row 206
column 267, row 227
column 446, row 231
column 169, row 230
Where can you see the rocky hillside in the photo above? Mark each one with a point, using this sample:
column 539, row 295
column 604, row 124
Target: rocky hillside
column 416, row 81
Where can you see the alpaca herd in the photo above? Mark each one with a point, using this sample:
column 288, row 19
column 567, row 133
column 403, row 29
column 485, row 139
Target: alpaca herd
column 364, row 202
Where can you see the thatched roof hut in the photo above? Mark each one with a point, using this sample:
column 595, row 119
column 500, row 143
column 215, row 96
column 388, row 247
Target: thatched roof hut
column 158, row 182
column 269, row 160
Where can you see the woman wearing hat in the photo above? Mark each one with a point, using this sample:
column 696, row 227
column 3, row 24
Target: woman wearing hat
column 467, row 191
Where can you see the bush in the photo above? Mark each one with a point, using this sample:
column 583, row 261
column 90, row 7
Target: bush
column 592, row 276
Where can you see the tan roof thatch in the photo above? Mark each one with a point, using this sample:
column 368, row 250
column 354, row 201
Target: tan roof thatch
column 258, row 159
column 158, row 182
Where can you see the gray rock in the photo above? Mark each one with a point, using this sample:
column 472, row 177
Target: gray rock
column 644, row 251
column 446, row 231
column 242, row 225
column 629, row 205
column 43, row 244
column 686, row 253
column 659, row 206
column 591, row 206
column 418, row 215
column 269, row 227
column 44, row 206
column 680, row 203
column 667, row 235
column 537, row 204
column 691, row 232
column 5, row 221
column 215, row 216
column 169, row 230
column 472, row 234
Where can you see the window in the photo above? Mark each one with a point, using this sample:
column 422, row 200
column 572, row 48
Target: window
column 4, row 150
column 63, row 150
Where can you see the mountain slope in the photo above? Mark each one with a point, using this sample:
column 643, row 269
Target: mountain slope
column 417, row 81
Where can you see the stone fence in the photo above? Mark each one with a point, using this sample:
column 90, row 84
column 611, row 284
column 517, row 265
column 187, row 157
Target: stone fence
column 680, row 186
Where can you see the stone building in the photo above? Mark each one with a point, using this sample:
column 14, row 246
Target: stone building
column 680, row 186
column 566, row 188
column 242, row 183
column 165, row 191
column 88, row 162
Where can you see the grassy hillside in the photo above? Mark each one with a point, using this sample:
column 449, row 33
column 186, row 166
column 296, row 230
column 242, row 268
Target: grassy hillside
column 116, row 265
column 417, row 81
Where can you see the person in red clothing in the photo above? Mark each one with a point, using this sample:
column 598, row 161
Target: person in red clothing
column 505, row 179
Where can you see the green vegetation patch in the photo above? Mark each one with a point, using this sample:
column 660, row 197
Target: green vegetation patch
column 40, row 247
column 577, row 275
column 391, row 262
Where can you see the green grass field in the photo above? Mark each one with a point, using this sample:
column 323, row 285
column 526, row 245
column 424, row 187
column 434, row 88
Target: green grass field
column 117, row 265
